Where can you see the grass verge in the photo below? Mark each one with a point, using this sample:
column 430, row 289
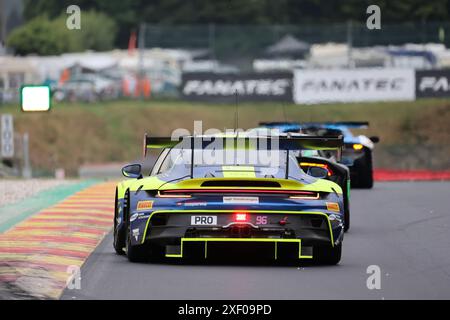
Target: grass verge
column 414, row 135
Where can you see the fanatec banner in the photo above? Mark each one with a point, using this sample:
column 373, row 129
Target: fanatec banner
column 243, row 87
column 433, row 83
column 353, row 85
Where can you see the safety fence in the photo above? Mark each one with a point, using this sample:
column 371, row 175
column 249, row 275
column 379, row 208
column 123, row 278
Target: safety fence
column 246, row 42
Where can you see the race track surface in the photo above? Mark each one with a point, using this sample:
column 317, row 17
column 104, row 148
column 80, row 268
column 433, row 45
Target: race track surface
column 401, row 227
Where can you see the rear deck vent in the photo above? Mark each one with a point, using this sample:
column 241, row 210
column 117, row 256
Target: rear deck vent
column 159, row 220
column 241, row 183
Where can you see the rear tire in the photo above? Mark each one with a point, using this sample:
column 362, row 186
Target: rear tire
column 346, row 210
column 329, row 255
column 119, row 236
column 346, row 219
column 118, row 247
column 367, row 173
column 364, row 174
column 135, row 253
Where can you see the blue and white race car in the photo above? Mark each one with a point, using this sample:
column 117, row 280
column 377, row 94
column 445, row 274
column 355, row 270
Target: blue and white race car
column 358, row 149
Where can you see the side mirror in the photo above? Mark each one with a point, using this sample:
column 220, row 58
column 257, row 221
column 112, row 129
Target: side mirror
column 318, row 172
column 374, row 139
column 132, row 171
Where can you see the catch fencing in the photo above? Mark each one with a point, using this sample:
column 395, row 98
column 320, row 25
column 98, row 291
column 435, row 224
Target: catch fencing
column 247, row 42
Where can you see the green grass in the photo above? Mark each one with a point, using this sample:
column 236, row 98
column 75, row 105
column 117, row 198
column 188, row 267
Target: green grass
column 413, row 134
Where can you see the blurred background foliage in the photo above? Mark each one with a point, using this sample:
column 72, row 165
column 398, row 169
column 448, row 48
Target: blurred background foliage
column 42, row 35
column 128, row 14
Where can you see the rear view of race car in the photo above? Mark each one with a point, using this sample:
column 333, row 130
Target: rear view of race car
column 190, row 206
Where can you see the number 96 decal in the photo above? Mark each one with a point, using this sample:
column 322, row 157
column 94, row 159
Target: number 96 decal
column 261, row 219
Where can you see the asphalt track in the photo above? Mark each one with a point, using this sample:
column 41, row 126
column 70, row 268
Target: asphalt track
column 401, row 227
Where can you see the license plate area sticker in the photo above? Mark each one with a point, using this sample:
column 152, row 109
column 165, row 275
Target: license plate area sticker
column 240, row 200
column 203, row 220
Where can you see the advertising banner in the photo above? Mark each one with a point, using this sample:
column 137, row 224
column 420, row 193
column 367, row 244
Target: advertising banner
column 353, row 85
column 433, row 83
column 246, row 87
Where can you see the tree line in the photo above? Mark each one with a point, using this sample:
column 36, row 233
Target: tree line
column 108, row 23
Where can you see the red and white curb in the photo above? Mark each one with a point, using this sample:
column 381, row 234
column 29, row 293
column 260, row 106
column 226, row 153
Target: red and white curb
column 38, row 255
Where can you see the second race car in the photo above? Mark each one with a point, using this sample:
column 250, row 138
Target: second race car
column 358, row 150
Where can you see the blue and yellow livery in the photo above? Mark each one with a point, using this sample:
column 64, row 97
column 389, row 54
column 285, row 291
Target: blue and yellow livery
column 209, row 193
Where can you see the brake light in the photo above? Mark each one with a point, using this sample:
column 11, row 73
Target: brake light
column 357, row 146
column 322, row 165
column 185, row 193
column 174, row 195
column 240, row 217
column 312, row 196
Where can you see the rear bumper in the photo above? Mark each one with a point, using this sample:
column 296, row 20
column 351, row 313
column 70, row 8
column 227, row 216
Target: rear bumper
column 296, row 239
column 276, row 248
column 173, row 235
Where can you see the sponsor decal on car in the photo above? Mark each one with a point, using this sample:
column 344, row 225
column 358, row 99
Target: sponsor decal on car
column 194, row 203
column 240, row 200
column 144, row 205
column 136, row 233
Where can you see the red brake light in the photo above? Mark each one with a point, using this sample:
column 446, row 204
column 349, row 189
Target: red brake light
column 240, row 217
column 322, row 165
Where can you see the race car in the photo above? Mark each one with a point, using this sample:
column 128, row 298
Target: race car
column 207, row 194
column 336, row 172
column 358, row 150
column 327, row 159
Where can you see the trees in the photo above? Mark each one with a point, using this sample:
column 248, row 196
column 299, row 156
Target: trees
column 40, row 36
column 128, row 14
column 97, row 32
column 51, row 37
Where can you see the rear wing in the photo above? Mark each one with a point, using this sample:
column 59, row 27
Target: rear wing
column 346, row 124
column 282, row 126
column 299, row 125
column 286, row 142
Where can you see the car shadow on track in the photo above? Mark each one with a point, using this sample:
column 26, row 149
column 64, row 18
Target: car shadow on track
column 233, row 259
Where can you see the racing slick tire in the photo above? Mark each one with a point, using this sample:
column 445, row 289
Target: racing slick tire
column 119, row 235
column 137, row 253
column 329, row 255
column 367, row 172
column 364, row 169
column 346, row 211
column 346, row 218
